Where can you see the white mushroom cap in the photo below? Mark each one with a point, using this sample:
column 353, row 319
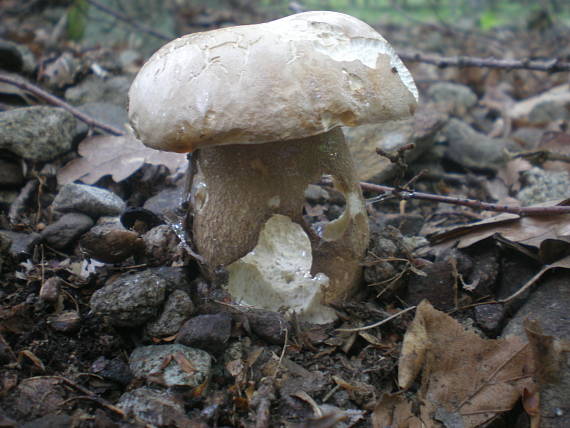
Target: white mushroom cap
column 287, row 79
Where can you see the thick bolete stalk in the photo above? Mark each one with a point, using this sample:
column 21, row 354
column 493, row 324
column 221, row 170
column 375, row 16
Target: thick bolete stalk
column 230, row 209
column 261, row 106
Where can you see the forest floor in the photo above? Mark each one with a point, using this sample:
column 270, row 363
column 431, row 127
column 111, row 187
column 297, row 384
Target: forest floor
column 106, row 319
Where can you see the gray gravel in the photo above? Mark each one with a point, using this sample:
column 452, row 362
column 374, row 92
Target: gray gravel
column 130, row 300
column 90, row 200
column 170, row 364
column 66, row 230
column 177, row 309
column 37, row 133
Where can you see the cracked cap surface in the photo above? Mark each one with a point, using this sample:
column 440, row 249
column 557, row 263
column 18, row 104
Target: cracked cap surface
column 287, row 79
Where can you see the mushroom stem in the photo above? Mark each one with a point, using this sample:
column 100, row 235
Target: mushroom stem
column 235, row 189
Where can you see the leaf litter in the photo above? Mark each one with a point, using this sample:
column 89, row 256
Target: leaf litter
column 466, row 380
column 119, row 157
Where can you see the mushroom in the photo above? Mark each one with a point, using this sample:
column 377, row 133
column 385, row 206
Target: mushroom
column 260, row 107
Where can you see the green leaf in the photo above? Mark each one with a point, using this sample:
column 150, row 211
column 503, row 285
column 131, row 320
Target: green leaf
column 488, row 20
column 77, row 19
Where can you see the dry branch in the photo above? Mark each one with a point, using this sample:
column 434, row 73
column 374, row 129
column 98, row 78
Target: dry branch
column 553, row 65
column 52, row 99
column 472, row 203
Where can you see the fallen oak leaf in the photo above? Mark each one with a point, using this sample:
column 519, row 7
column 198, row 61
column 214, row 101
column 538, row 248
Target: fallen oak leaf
column 119, row 157
column 393, row 410
column 548, row 400
column 465, row 377
column 521, row 110
column 538, row 232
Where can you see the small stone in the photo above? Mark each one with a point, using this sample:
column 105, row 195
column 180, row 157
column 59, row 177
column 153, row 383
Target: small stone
column 65, row 322
column 177, row 309
column 528, row 138
column 489, row 318
column 162, row 245
column 316, row 194
column 49, row 291
column 544, row 314
column 269, row 326
column 167, row 201
column 90, row 200
column 437, row 286
column 542, row 186
column 474, row 150
column 37, row 133
column 171, row 365
column 110, row 114
column 455, row 98
column 96, row 89
column 22, row 245
column 547, row 304
column 16, row 58
column 155, row 407
column 176, row 278
column 110, row 242
column 130, row 300
column 130, row 59
column 11, row 174
column 549, row 111
column 115, row 370
column 66, row 230
column 407, row 224
column 210, row 332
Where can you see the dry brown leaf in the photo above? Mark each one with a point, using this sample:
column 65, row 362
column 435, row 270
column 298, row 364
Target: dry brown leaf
column 466, row 379
column 549, row 234
column 395, row 411
column 510, row 172
column 558, row 94
column 414, row 349
column 551, row 395
column 478, row 231
column 116, row 156
column 559, row 143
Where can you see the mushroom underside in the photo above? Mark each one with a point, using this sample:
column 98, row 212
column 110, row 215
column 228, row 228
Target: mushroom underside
column 240, row 192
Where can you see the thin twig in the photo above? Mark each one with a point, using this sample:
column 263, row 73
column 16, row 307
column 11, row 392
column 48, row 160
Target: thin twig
column 553, row 65
column 93, row 397
column 52, row 99
column 472, row 203
column 541, row 156
column 130, row 21
column 377, row 324
column 283, row 350
column 526, row 286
